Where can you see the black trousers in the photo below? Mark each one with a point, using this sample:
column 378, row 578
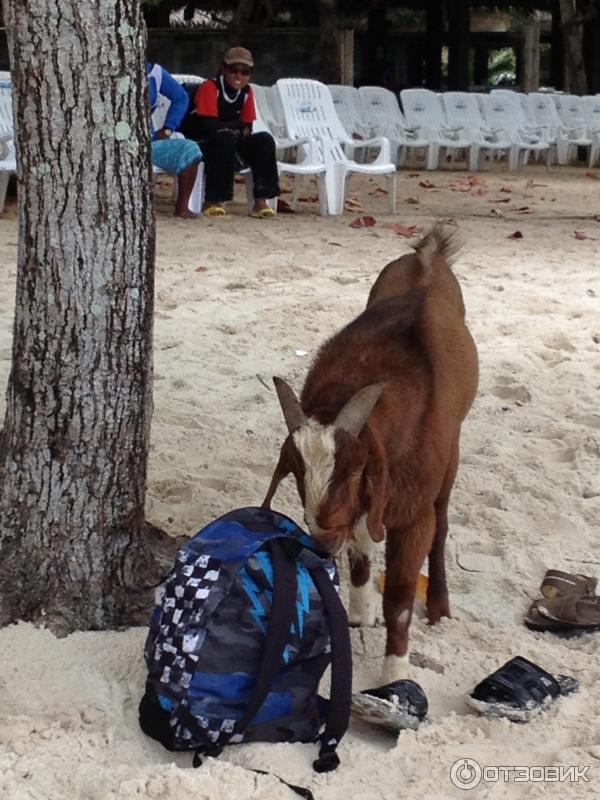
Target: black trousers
column 222, row 153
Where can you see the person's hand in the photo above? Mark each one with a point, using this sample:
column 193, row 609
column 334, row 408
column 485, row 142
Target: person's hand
column 164, row 133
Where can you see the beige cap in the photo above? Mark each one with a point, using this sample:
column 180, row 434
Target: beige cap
column 239, row 55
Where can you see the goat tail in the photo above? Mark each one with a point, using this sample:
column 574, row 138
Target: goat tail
column 438, row 245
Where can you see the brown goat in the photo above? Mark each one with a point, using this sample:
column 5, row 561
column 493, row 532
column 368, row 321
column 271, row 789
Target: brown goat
column 374, row 441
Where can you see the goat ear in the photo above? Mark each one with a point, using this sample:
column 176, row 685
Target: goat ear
column 282, row 469
column 376, row 482
column 354, row 415
column 292, row 410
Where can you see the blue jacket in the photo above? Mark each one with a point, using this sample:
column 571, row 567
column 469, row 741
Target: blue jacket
column 174, row 92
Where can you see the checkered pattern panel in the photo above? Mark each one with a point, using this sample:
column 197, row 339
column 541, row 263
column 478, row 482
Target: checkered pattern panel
column 180, row 634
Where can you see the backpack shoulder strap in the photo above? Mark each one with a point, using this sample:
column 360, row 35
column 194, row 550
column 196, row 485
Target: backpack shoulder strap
column 283, row 608
column 338, row 712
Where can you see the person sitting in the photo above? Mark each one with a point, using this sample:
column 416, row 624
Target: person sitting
column 221, row 122
column 175, row 156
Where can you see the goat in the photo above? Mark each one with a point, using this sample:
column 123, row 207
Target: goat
column 373, row 442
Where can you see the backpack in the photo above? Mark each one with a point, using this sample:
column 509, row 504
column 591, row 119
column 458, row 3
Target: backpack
column 248, row 621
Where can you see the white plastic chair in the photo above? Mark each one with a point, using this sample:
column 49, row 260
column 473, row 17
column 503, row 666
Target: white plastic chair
column 590, row 105
column 310, row 114
column 386, row 119
column 462, row 108
column 8, row 161
column 567, row 137
column 349, row 108
column 502, row 111
column 424, row 109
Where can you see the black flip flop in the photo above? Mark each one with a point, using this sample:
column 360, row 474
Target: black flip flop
column 397, row 706
column 519, row 690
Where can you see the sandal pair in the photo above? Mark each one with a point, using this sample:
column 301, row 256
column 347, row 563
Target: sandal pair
column 568, row 603
column 518, row 691
column 214, row 211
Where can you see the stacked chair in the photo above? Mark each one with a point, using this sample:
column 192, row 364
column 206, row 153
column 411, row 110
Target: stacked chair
column 383, row 112
column 424, row 110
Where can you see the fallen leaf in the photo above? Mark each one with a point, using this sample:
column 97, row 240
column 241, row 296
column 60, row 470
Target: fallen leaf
column 506, row 189
column 404, row 230
column 494, row 212
column 477, row 192
column 378, row 190
column 201, row 269
column 524, row 210
column 335, row 244
column 283, row 207
column 413, row 201
column 352, row 204
column 515, row 235
column 311, row 199
column 501, row 200
column 427, row 185
column 531, row 184
column 363, row 222
column 414, row 174
column 582, row 235
column 594, row 175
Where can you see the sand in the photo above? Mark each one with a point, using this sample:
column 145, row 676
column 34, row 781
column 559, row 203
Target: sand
column 239, row 300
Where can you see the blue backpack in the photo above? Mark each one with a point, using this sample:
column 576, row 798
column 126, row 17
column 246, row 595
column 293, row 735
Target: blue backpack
column 248, row 622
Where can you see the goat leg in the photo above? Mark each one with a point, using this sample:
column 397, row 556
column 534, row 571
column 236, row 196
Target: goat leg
column 406, row 548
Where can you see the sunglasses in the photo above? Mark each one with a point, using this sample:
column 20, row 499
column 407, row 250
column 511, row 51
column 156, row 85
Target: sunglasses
column 245, row 71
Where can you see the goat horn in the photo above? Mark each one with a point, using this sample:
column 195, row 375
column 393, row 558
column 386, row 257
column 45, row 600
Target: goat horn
column 292, row 411
column 354, row 415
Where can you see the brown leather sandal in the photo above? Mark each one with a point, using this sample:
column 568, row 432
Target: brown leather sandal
column 558, row 584
column 572, row 611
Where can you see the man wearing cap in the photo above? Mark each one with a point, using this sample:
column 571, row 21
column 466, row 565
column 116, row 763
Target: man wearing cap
column 221, row 122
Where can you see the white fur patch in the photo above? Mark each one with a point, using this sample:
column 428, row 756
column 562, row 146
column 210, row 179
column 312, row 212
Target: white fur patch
column 365, row 601
column 364, row 604
column 395, row 668
column 316, row 445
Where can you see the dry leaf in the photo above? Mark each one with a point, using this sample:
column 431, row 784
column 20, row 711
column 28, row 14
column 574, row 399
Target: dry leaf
column 594, row 175
column 201, row 269
column 524, row 210
column 414, row 174
column 353, row 204
column 501, row 200
column 582, row 235
column 404, row 230
column 412, row 201
column 363, row 222
column 426, row 185
column 378, row 190
column 311, row 199
column 515, row 235
column 531, row 184
column 506, row 189
column 495, row 213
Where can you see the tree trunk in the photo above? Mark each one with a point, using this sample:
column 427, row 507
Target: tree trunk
column 331, row 66
column 459, row 35
column 73, row 450
column 573, row 36
column 433, row 44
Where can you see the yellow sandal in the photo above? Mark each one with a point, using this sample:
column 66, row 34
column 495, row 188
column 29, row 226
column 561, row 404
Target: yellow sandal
column 214, row 211
column 264, row 213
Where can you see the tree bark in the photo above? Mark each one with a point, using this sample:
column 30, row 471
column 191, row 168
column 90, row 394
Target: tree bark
column 73, row 451
column 572, row 32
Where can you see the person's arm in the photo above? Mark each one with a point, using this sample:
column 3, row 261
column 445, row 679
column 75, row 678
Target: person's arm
column 179, row 101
